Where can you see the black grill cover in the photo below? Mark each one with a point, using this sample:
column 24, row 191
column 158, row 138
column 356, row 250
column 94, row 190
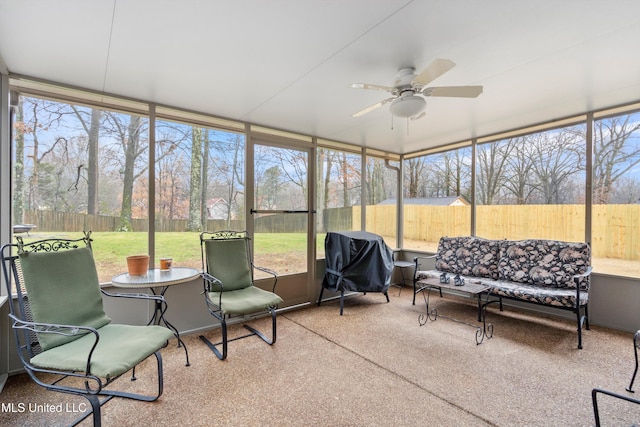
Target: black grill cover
column 357, row 261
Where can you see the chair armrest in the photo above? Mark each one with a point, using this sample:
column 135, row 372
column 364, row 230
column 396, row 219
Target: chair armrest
column 587, row 273
column 266, row 270
column 415, row 259
column 50, row 328
column 418, row 261
column 577, row 277
column 271, row 272
column 208, row 280
column 53, row 328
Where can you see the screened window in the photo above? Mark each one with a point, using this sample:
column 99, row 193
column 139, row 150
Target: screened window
column 78, row 167
column 81, row 168
column 281, row 204
column 616, row 195
column 199, row 186
column 382, row 198
column 437, row 198
column 532, row 186
column 339, row 188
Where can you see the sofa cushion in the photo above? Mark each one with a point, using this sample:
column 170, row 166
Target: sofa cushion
column 486, row 255
column 556, row 297
column 468, row 256
column 428, row 274
column 546, row 263
column 454, row 256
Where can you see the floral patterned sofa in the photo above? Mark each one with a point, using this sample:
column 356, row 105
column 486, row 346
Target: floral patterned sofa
column 545, row 272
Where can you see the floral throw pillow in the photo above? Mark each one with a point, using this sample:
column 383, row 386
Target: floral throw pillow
column 486, row 254
column 544, row 262
column 454, row 256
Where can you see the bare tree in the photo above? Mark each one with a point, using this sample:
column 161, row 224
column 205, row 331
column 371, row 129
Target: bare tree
column 326, row 159
column 170, row 182
column 616, row 151
column 228, row 167
column 127, row 131
column 375, row 181
column 492, row 164
column 519, row 164
column 450, row 173
column 344, row 178
column 18, row 194
column 415, row 169
column 294, row 166
column 43, row 115
column 557, row 159
column 195, row 186
column 627, row 191
column 92, row 129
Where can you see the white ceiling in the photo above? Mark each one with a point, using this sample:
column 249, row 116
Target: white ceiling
column 288, row 64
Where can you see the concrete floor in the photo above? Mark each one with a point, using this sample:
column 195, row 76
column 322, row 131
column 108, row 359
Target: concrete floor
column 373, row 366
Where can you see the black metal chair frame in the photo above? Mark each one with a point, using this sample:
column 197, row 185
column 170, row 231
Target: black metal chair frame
column 25, row 329
column 400, row 265
column 636, row 344
column 594, row 399
column 216, row 308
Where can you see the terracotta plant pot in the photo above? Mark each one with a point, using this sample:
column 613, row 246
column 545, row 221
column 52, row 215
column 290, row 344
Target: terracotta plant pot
column 138, row 265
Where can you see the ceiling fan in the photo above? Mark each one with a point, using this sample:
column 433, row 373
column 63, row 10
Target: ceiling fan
column 407, row 88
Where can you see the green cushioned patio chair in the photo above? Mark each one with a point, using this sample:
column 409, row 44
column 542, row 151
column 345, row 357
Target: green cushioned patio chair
column 229, row 288
column 65, row 340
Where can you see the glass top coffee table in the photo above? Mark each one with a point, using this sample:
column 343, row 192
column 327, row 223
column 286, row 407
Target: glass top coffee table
column 425, row 286
column 158, row 281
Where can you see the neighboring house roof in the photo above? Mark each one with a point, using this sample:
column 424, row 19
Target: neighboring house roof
column 430, row 201
column 213, row 202
column 217, row 208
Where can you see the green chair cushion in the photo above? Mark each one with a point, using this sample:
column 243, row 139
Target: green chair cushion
column 245, row 301
column 120, row 348
column 228, row 261
column 63, row 288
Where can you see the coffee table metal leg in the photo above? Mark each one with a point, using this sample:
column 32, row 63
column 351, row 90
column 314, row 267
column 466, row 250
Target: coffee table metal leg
column 427, row 315
column 482, row 332
column 487, row 328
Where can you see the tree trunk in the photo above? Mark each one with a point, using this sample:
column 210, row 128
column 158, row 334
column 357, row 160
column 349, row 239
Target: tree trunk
column 131, row 152
column 205, row 173
column 92, row 168
column 194, row 222
column 18, row 195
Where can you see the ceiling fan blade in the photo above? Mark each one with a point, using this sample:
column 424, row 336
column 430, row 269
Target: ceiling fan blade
column 372, row 107
column 419, row 116
column 375, row 87
column 453, row 91
column 434, row 70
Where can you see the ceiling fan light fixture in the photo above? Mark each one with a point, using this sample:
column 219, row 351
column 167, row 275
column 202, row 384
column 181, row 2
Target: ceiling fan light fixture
column 408, row 106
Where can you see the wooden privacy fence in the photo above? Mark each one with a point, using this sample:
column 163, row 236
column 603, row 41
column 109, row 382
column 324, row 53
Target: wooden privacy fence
column 615, row 228
column 47, row 220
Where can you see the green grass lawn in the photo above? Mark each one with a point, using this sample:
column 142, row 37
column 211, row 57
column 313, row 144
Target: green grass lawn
column 110, row 249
